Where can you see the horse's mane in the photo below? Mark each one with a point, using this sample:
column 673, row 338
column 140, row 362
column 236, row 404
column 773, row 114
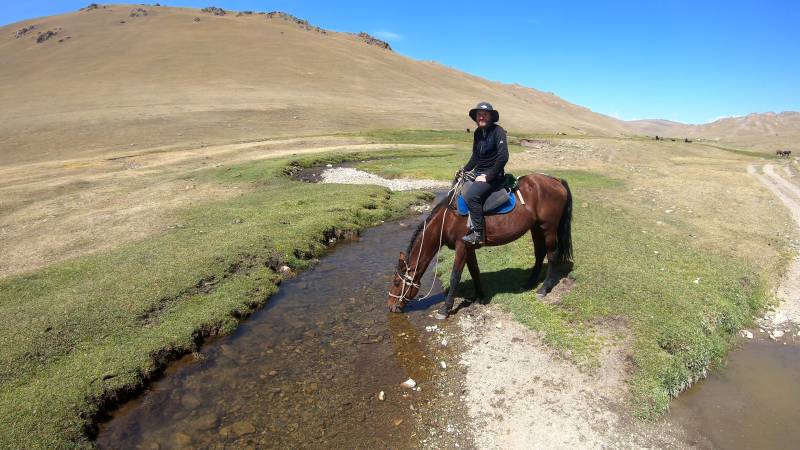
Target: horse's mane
column 441, row 204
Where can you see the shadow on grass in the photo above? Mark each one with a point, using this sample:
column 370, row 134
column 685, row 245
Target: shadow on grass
column 504, row 281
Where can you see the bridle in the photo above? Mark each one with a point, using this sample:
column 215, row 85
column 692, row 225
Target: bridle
column 408, row 277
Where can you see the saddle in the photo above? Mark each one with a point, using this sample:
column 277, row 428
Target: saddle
column 501, row 201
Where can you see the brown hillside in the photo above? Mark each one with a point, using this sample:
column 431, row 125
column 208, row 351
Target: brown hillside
column 766, row 131
column 129, row 76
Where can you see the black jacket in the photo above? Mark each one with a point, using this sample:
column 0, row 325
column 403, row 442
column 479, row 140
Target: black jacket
column 489, row 152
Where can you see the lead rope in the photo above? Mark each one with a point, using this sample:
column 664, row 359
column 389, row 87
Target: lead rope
column 454, row 190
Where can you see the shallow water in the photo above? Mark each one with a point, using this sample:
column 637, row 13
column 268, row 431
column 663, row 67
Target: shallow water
column 752, row 403
column 305, row 371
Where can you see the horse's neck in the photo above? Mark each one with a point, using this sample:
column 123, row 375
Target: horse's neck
column 428, row 243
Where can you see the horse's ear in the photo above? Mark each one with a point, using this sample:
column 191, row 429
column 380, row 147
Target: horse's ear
column 402, row 257
column 401, row 263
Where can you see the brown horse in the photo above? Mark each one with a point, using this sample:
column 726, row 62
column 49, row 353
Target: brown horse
column 546, row 213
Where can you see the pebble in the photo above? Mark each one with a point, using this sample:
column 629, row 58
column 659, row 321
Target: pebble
column 747, row 334
column 443, row 364
column 409, row 383
column 431, row 328
column 190, row 401
column 381, row 396
column 182, row 439
column 776, row 334
column 243, row 427
column 444, row 342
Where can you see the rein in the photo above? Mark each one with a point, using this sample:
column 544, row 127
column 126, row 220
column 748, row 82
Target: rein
column 408, row 278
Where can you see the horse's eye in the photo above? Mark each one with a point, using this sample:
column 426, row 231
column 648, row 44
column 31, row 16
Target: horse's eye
column 396, row 281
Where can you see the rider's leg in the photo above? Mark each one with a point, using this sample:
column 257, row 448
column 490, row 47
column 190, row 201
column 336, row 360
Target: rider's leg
column 476, row 195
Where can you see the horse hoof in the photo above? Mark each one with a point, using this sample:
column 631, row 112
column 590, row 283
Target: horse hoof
column 441, row 316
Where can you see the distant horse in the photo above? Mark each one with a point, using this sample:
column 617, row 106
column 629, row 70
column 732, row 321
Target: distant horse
column 783, row 153
column 546, row 213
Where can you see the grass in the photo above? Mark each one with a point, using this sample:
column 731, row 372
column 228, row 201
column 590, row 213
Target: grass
column 678, row 307
column 78, row 332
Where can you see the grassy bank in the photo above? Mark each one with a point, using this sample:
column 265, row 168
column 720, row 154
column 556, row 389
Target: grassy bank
column 641, row 283
column 77, row 333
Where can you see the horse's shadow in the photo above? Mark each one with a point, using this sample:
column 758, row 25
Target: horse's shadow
column 503, row 281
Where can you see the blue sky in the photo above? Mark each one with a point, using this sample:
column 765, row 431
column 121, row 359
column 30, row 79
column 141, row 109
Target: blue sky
column 689, row 61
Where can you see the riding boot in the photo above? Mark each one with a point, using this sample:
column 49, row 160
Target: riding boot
column 476, row 238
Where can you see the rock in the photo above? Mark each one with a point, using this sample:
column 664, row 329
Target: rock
column 138, row 12
column 213, row 10
column 328, row 165
column 242, row 428
column 196, row 19
column 381, row 396
column 443, row 364
column 444, row 342
column 696, row 281
column 23, row 31
column 747, row 334
column 431, row 328
column 397, row 422
column 776, row 334
column 45, row 36
column 190, row 401
column 409, row 383
column 181, row 439
column 372, row 40
column 238, row 220
column 206, row 421
column 498, row 325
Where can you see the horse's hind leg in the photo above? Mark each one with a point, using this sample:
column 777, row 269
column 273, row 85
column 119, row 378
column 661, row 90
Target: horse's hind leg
column 455, row 277
column 475, row 273
column 553, row 266
column 539, row 252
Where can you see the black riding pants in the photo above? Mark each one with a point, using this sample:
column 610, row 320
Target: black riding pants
column 476, row 195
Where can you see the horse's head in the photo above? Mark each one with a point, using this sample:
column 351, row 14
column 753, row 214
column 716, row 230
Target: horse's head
column 403, row 287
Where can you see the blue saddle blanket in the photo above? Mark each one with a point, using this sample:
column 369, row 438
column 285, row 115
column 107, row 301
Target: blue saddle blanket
column 506, row 207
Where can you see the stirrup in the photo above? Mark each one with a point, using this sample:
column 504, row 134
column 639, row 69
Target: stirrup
column 475, row 239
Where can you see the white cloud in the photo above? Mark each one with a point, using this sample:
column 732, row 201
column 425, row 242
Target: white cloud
column 388, row 35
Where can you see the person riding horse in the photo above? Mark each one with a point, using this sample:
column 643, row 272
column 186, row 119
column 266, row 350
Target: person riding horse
column 489, row 158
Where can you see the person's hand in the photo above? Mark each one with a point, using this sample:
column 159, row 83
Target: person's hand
column 459, row 173
column 481, row 178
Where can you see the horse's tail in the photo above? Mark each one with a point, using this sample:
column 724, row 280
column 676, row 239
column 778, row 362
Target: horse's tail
column 564, row 236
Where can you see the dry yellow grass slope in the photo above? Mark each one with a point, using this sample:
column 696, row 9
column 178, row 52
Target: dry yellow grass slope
column 100, row 84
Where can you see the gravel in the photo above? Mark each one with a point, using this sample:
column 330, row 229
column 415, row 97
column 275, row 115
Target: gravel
column 348, row 175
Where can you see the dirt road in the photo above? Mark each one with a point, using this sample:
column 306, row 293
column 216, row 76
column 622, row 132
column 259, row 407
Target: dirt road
column 783, row 183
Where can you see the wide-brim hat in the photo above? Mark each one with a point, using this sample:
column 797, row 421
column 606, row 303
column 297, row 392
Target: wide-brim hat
column 484, row 106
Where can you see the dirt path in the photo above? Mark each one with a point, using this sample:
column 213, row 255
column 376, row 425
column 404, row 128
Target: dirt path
column 789, row 291
column 521, row 394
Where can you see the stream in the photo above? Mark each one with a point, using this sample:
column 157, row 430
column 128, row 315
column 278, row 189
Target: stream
column 307, row 369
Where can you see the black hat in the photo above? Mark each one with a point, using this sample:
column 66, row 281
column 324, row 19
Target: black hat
column 484, row 106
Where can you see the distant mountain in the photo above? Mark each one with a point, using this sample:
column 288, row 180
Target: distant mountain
column 762, row 131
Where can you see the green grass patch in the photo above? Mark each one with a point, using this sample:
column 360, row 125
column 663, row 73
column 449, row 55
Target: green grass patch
column 78, row 331
column 453, row 137
column 677, row 307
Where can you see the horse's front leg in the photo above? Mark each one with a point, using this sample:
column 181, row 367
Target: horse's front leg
column 475, row 273
column 455, row 277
